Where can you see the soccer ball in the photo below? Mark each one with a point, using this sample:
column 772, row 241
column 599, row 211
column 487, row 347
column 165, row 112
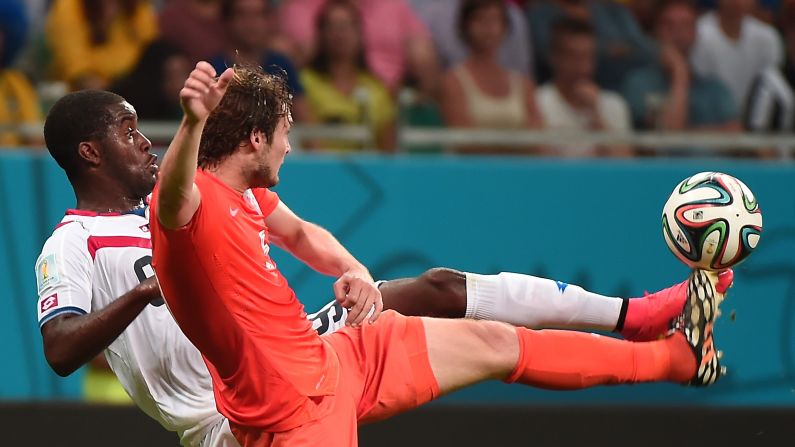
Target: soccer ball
column 711, row 221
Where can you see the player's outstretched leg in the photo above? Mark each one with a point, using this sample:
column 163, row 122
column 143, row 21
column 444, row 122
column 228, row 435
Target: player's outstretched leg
column 524, row 300
column 463, row 352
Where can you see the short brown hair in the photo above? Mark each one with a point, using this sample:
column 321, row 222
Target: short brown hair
column 254, row 100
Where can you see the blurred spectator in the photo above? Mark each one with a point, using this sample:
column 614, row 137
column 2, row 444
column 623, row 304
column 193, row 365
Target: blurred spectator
column 338, row 87
column 481, row 92
column 770, row 106
column 194, row 27
column 442, row 16
column 621, row 45
column 96, row 41
column 787, row 27
column 572, row 101
column 764, row 10
column 771, row 101
column 19, row 104
column 644, row 11
column 37, row 12
column 668, row 95
column 249, row 29
column 398, row 47
column 735, row 47
column 153, row 86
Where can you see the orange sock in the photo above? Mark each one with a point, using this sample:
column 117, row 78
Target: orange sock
column 568, row 360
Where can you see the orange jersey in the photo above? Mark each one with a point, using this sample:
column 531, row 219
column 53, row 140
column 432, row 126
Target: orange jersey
column 269, row 368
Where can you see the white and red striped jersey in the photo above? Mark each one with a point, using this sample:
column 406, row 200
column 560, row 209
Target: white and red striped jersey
column 89, row 261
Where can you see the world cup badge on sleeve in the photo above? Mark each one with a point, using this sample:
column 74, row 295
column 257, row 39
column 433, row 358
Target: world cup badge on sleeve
column 46, row 272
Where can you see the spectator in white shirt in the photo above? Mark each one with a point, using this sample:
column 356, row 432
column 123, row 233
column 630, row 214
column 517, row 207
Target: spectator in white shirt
column 572, row 101
column 735, row 47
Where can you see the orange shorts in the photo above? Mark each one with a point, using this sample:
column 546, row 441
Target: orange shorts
column 384, row 370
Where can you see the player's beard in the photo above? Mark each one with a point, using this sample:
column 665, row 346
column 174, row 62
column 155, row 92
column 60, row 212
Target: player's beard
column 263, row 176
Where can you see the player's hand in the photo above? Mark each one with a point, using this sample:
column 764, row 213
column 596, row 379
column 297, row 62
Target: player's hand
column 357, row 292
column 202, row 91
column 149, row 290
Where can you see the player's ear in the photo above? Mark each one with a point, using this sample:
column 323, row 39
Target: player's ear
column 256, row 138
column 89, row 152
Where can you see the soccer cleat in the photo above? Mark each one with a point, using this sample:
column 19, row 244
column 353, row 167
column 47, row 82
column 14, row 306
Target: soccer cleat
column 696, row 323
column 651, row 317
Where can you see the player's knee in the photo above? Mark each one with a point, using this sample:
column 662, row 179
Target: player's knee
column 449, row 299
column 499, row 343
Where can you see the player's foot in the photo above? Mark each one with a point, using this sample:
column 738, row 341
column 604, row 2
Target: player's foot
column 651, row 317
column 696, row 323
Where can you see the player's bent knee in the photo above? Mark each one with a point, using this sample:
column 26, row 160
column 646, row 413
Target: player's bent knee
column 463, row 352
column 450, row 288
column 498, row 344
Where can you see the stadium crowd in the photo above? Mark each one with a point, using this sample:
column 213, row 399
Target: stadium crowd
column 670, row 65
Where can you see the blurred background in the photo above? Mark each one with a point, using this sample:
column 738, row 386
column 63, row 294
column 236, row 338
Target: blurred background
column 540, row 137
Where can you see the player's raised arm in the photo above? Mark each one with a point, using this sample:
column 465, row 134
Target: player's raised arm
column 178, row 197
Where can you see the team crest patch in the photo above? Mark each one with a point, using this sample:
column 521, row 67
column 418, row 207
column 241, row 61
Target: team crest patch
column 47, row 273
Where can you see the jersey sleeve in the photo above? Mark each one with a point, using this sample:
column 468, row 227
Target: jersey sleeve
column 63, row 275
column 266, row 199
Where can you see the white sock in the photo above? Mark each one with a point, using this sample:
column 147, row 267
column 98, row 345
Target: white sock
column 524, row 300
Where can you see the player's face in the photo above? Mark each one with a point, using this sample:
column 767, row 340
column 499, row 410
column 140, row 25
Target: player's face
column 273, row 154
column 125, row 153
column 486, row 29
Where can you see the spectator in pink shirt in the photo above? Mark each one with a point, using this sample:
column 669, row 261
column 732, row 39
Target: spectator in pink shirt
column 398, row 47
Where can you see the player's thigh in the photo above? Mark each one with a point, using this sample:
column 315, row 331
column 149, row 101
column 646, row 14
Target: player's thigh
column 387, row 364
column 464, row 352
column 336, row 428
